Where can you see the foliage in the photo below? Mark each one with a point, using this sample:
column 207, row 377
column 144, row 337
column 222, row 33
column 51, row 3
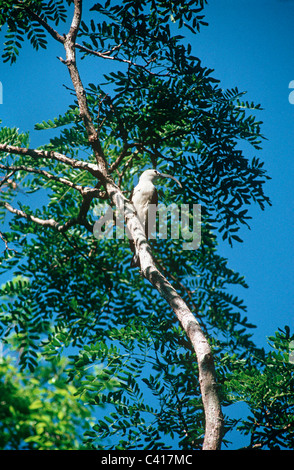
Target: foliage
column 266, row 385
column 74, row 295
column 40, row 410
column 18, row 17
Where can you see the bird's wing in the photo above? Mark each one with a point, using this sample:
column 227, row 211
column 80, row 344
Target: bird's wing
column 135, row 190
column 154, row 198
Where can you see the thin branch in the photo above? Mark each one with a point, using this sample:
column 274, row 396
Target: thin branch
column 51, row 223
column 126, row 166
column 105, row 55
column 6, row 180
column 2, row 236
column 124, row 152
column 43, row 222
column 44, row 173
column 50, row 155
column 58, row 37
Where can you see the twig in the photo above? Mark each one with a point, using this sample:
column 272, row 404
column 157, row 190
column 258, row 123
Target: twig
column 46, row 222
column 106, row 55
column 6, row 179
column 2, row 236
column 58, row 37
column 119, row 159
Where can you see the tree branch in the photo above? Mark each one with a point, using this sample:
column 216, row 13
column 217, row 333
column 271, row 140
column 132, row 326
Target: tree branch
column 6, row 243
column 6, row 180
column 44, row 173
column 43, row 222
column 106, row 55
column 103, row 55
column 58, row 37
column 119, row 159
column 51, row 223
column 50, row 155
column 207, row 376
column 69, row 45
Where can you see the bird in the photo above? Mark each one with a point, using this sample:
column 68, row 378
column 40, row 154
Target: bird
column 144, row 194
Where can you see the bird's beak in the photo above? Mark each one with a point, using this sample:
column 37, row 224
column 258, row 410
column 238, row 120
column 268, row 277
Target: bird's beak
column 164, row 175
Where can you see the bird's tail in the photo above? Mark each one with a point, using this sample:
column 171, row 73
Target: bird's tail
column 135, row 262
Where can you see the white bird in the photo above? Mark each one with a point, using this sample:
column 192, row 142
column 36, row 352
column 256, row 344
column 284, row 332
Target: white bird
column 143, row 194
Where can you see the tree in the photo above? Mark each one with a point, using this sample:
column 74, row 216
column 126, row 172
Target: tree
column 159, row 107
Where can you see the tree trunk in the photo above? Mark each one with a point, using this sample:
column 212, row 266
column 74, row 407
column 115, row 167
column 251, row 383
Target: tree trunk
column 207, row 376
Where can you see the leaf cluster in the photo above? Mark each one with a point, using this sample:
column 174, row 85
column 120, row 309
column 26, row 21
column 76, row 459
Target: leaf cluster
column 17, row 15
column 266, row 384
column 39, row 410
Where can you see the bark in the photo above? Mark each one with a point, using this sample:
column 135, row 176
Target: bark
column 207, row 376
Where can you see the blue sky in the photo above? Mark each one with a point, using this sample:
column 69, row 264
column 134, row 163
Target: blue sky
column 249, row 43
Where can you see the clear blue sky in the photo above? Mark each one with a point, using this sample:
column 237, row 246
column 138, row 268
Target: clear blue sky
column 249, row 43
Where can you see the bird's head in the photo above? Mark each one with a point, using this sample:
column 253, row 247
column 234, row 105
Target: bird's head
column 153, row 175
